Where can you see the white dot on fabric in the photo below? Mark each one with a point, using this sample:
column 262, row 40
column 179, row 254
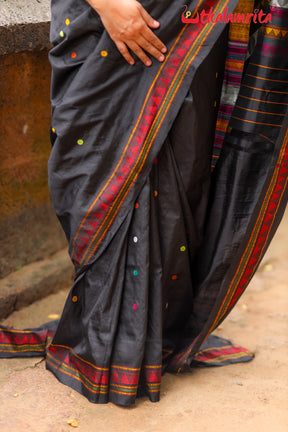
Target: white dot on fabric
column 135, row 239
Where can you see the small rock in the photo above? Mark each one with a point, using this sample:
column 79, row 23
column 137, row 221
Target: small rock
column 73, row 423
column 53, row 316
column 267, row 267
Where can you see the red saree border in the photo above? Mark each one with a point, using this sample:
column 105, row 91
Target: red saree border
column 117, row 379
column 259, row 236
column 253, row 252
column 13, row 342
column 161, row 94
column 221, row 355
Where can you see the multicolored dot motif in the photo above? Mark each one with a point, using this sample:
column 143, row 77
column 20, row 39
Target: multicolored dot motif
column 73, row 55
column 104, row 53
column 80, row 142
column 183, row 248
column 155, row 193
column 135, row 239
column 174, row 277
column 135, row 273
column 53, row 130
column 67, row 21
column 61, row 34
column 135, row 307
column 74, row 299
column 136, row 206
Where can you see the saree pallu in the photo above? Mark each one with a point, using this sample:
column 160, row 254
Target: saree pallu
column 162, row 248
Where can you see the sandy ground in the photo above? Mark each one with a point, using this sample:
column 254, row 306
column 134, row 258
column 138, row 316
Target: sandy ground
column 243, row 397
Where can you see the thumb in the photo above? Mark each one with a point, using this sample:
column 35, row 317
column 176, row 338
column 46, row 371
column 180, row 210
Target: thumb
column 151, row 22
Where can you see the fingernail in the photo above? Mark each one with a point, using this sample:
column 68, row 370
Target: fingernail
column 161, row 58
column 131, row 63
column 164, row 50
column 148, row 63
column 156, row 22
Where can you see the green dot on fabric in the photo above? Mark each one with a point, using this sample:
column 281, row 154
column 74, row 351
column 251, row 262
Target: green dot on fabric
column 80, row 142
column 135, row 272
column 61, row 33
column 183, row 248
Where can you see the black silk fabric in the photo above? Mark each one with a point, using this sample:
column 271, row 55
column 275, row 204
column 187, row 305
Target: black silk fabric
column 150, row 289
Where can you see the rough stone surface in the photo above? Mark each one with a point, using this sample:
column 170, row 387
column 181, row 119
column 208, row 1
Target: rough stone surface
column 35, row 281
column 24, row 11
column 239, row 398
column 29, row 230
column 24, row 25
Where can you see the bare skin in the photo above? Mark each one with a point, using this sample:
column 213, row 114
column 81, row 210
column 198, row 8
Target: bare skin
column 131, row 28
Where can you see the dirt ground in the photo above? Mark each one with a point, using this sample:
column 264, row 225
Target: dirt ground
column 242, row 397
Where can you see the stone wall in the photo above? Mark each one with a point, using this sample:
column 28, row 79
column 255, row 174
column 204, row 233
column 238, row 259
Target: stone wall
column 29, row 230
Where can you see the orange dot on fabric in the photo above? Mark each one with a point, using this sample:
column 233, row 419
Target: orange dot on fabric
column 74, row 299
column 73, row 55
column 155, row 193
column 174, row 277
column 136, row 205
column 104, row 53
column 135, row 307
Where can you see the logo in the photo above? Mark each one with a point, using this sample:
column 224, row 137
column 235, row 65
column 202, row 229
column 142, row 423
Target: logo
column 258, row 16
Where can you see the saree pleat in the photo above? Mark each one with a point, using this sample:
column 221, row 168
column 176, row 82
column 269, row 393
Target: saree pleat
column 162, row 247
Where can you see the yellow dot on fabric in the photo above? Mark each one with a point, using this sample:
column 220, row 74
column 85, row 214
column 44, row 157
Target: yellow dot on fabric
column 67, row 22
column 53, row 130
column 155, row 193
column 215, row 103
column 61, row 33
column 104, row 53
column 80, row 142
column 183, row 249
column 74, row 299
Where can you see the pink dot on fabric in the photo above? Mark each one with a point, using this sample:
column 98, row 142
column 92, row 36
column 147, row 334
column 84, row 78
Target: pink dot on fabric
column 135, row 307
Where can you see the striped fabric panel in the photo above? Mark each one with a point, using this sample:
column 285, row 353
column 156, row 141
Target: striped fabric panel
column 225, row 355
column 97, row 383
column 236, row 54
column 26, row 343
column 263, row 99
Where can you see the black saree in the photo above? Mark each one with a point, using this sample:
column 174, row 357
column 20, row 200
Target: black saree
column 162, row 247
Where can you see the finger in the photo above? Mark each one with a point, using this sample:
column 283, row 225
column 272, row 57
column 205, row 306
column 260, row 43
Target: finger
column 149, row 48
column 154, row 40
column 151, row 22
column 139, row 53
column 122, row 48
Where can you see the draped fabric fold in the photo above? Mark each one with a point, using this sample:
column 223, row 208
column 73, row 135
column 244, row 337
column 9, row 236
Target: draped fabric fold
column 162, row 247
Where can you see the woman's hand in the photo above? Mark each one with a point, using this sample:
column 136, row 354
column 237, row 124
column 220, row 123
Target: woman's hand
column 129, row 26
